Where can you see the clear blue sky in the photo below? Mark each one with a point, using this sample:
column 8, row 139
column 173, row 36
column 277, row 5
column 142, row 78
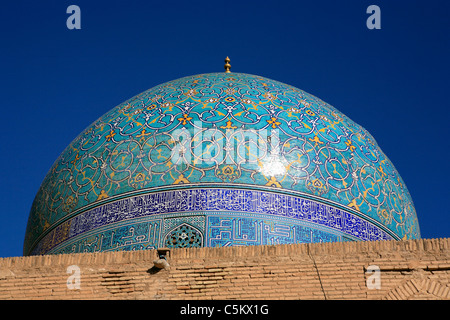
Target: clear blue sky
column 55, row 81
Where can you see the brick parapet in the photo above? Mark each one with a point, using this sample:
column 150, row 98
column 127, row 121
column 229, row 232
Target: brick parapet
column 408, row 269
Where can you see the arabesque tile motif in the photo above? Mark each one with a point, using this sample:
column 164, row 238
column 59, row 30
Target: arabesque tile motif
column 219, row 159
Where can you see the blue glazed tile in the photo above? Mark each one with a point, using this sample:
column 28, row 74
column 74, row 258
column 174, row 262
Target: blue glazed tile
column 220, row 144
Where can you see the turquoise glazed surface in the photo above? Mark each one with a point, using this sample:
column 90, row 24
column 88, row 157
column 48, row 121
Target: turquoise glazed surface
column 219, row 159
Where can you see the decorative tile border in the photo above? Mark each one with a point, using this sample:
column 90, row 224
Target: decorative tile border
column 244, row 216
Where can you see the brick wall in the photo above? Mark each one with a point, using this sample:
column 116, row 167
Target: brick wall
column 415, row 269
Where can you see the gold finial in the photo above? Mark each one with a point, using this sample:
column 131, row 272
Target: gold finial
column 227, row 65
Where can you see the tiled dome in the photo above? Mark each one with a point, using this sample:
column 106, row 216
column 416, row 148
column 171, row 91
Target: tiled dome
column 219, row 159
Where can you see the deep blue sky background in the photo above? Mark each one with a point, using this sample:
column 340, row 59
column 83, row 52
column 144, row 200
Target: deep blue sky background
column 55, row 82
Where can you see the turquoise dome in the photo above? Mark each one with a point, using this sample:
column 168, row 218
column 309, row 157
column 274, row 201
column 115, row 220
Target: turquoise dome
column 219, row 159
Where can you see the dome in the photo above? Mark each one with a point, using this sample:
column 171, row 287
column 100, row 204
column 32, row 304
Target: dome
column 219, row 159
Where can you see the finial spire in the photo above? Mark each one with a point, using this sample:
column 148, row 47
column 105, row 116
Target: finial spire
column 227, row 65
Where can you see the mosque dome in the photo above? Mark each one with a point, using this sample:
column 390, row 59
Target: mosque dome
column 219, row 159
